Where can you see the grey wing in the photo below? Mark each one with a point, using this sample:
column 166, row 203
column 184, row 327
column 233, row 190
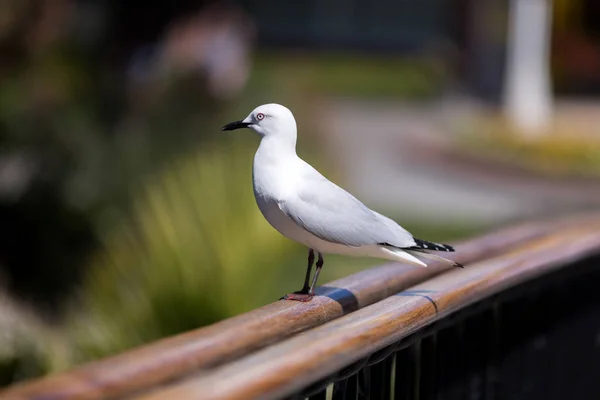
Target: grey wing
column 334, row 215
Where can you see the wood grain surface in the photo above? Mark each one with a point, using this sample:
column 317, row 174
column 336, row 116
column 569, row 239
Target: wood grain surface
column 293, row 364
column 201, row 350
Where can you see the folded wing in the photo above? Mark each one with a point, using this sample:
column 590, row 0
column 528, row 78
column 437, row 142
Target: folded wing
column 334, row 215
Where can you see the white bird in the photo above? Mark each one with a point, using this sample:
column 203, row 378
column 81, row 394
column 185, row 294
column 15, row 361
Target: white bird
column 306, row 207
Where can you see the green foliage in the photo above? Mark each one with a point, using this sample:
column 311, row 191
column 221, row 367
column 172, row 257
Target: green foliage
column 20, row 357
column 195, row 251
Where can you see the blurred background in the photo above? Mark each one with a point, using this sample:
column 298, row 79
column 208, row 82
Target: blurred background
column 126, row 215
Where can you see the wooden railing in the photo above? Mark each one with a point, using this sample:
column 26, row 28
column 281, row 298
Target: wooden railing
column 389, row 331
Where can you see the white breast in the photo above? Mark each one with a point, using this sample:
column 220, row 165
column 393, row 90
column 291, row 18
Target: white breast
column 276, row 177
column 280, row 221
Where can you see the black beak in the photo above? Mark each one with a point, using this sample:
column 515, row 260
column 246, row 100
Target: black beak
column 235, row 125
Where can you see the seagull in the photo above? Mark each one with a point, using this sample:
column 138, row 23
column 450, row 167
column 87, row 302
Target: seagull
column 306, row 207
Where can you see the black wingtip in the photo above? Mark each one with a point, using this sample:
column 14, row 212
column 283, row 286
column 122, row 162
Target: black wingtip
column 426, row 245
column 458, row 265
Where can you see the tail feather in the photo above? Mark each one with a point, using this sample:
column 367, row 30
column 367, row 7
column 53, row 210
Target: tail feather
column 424, row 254
column 401, row 255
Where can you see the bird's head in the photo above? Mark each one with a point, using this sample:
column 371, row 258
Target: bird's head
column 267, row 120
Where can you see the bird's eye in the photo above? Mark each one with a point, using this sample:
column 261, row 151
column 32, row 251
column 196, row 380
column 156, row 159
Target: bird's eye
column 260, row 116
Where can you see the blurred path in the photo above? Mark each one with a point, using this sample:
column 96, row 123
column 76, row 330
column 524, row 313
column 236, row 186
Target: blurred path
column 388, row 153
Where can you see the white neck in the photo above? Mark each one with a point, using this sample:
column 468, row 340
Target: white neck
column 282, row 137
column 273, row 149
column 283, row 132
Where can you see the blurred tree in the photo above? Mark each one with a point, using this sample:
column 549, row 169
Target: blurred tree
column 528, row 87
column 83, row 117
column 98, row 102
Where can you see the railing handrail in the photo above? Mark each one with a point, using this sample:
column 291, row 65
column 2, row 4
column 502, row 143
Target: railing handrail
column 202, row 351
column 286, row 367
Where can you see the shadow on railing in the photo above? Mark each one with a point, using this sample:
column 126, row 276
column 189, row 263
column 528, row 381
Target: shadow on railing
column 515, row 323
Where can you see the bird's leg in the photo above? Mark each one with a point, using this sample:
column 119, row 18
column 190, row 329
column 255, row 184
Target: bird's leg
column 316, row 276
column 304, row 293
column 311, row 260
